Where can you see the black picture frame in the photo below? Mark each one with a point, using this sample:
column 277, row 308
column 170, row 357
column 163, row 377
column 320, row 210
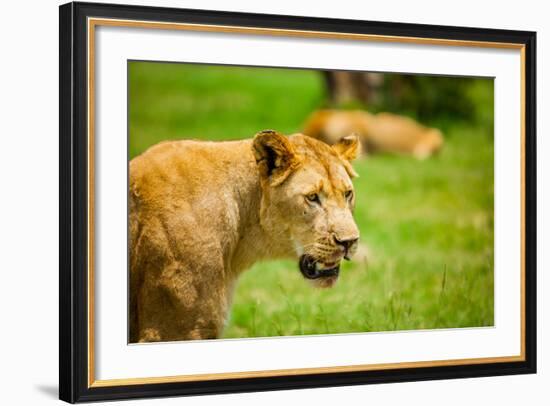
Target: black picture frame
column 73, row 256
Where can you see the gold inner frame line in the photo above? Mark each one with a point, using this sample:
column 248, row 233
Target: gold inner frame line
column 94, row 22
column 298, row 33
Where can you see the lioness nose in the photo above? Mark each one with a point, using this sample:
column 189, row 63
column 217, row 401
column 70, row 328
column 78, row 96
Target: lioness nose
column 346, row 242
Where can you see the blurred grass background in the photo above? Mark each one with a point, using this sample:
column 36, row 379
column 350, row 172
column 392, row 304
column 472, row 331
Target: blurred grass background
column 428, row 225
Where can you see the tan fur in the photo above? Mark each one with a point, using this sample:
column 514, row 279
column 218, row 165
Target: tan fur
column 383, row 132
column 203, row 212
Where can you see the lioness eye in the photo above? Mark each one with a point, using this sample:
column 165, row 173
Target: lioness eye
column 348, row 194
column 313, row 198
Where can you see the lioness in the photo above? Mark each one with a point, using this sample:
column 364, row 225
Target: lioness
column 382, row 132
column 203, row 212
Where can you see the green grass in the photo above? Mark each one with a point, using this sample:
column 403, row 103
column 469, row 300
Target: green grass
column 215, row 103
column 428, row 225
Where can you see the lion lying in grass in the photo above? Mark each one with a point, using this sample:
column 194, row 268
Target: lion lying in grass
column 203, row 212
column 383, row 132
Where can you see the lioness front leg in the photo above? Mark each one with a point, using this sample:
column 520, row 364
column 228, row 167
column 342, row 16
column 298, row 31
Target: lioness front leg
column 183, row 304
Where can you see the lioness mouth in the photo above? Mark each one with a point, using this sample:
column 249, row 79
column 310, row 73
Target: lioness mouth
column 312, row 269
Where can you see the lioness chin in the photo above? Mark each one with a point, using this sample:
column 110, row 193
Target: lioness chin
column 203, row 212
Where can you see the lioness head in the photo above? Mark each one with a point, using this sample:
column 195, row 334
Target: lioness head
column 308, row 199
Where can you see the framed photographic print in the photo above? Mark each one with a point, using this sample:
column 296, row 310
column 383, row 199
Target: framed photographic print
column 257, row 202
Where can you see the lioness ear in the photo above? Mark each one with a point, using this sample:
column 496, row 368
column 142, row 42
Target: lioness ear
column 348, row 148
column 274, row 155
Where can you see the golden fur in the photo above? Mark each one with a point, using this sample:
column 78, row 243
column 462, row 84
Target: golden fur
column 203, row 212
column 383, row 132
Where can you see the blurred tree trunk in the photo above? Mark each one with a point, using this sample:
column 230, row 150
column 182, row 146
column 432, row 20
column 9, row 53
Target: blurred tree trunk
column 344, row 87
